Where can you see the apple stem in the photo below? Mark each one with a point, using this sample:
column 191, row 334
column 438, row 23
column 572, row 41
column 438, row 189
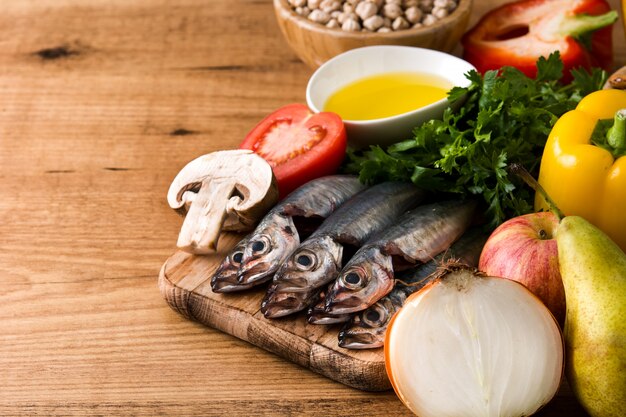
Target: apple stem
column 521, row 172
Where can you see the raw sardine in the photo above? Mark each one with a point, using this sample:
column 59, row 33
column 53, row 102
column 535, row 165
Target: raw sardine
column 317, row 261
column 279, row 304
column 366, row 329
column 225, row 278
column 417, row 237
column 278, row 233
column 318, row 315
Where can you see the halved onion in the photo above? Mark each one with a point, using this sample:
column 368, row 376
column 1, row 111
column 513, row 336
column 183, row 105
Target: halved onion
column 471, row 345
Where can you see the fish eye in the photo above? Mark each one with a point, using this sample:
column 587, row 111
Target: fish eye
column 260, row 246
column 353, row 280
column 237, row 257
column 305, row 261
column 375, row 316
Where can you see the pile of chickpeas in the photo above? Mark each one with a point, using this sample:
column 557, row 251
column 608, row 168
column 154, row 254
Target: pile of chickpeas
column 373, row 15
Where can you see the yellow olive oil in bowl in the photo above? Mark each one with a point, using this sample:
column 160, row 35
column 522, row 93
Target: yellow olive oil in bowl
column 383, row 92
column 385, row 95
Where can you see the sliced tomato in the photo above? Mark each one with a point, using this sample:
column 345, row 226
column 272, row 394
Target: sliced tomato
column 298, row 144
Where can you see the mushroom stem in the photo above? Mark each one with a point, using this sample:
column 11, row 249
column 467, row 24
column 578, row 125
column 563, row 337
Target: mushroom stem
column 202, row 225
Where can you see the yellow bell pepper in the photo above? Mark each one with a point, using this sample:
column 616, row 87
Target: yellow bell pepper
column 584, row 179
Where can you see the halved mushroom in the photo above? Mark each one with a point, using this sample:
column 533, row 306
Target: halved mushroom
column 225, row 190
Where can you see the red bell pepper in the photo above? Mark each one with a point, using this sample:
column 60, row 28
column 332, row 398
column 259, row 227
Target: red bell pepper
column 517, row 34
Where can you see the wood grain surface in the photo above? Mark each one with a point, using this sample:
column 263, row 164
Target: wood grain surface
column 102, row 102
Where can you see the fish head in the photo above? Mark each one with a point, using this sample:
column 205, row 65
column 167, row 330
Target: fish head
column 316, row 262
column 279, row 304
column 367, row 328
column 225, row 278
column 317, row 315
column 367, row 278
column 267, row 249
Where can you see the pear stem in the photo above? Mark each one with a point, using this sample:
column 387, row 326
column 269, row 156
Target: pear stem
column 521, row 172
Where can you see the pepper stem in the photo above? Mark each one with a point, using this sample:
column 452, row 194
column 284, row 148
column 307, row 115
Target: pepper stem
column 580, row 24
column 521, row 172
column 616, row 136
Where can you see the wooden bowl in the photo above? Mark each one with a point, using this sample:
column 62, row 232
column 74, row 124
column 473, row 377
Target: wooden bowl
column 315, row 44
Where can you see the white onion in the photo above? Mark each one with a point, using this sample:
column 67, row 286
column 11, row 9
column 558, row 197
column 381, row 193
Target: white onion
column 468, row 345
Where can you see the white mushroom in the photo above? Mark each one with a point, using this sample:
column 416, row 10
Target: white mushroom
column 225, row 190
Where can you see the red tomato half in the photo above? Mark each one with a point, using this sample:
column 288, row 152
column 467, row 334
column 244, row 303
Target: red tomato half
column 299, row 145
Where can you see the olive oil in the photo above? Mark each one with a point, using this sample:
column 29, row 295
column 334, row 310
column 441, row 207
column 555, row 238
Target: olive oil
column 386, row 95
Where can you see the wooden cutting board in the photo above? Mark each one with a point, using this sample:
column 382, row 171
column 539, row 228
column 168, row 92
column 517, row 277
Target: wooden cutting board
column 185, row 283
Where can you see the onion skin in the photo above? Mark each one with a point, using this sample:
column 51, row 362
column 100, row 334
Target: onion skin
column 444, row 323
column 524, row 249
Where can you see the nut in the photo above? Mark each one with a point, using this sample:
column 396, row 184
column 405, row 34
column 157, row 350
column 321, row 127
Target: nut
column 313, row 4
column 297, row 3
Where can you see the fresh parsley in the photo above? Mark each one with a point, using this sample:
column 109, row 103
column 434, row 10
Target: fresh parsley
column 503, row 117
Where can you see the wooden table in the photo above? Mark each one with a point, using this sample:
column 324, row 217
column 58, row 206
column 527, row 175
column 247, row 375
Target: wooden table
column 102, row 102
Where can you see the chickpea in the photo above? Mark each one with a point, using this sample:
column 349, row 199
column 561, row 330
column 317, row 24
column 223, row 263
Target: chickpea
column 414, row 14
column 373, row 23
column 366, row 9
column 313, row 4
column 392, row 10
column 400, row 23
column 319, row 16
column 333, row 24
column 439, row 13
column 351, row 25
column 330, row 5
column 429, row 19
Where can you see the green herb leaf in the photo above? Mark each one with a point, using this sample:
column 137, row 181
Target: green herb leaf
column 505, row 118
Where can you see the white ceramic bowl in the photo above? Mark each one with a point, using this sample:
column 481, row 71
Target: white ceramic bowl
column 358, row 63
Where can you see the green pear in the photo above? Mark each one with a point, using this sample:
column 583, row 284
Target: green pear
column 593, row 269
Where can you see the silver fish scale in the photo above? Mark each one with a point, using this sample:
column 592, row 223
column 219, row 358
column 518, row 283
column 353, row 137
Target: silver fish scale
column 466, row 250
column 368, row 211
column 432, row 226
column 319, row 197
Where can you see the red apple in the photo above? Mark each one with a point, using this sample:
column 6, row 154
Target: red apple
column 524, row 249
